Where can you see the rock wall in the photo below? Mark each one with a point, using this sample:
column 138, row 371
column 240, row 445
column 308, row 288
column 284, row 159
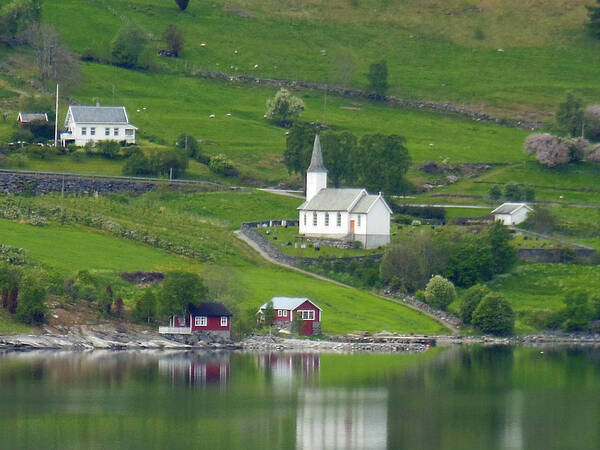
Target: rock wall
column 16, row 183
column 556, row 255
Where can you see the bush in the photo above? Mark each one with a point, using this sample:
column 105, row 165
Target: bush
column 146, row 307
column 569, row 116
column 425, row 212
column 221, row 165
column 138, row 164
column 284, row 108
column 439, row 292
column 182, row 4
column 169, row 161
column 471, row 299
column 22, row 135
column 495, row 193
column 173, row 36
column 494, row 315
column 592, row 122
column 192, row 148
column 128, row 45
column 41, row 129
column 31, row 309
column 108, row 149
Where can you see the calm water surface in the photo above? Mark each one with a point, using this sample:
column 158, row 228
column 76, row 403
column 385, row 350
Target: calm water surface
column 453, row 398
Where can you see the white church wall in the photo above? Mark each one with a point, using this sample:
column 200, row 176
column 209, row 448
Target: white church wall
column 321, row 229
column 315, row 181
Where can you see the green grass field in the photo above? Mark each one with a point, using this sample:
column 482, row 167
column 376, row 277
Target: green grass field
column 457, row 59
column 237, row 273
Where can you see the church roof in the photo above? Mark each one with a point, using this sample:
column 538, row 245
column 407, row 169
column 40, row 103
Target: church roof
column 316, row 161
column 330, row 199
column 364, row 204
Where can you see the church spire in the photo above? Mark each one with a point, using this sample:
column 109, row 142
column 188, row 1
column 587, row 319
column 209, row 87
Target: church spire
column 316, row 161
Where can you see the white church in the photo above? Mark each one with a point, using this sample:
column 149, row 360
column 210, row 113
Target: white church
column 351, row 214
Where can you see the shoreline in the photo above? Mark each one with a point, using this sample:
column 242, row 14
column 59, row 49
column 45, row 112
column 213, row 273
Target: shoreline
column 102, row 337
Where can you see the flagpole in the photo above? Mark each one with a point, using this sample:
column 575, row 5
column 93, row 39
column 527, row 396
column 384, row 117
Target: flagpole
column 56, row 120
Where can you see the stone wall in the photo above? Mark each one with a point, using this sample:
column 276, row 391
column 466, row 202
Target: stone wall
column 556, row 255
column 16, row 183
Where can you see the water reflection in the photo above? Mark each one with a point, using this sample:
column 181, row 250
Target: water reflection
column 195, row 369
column 282, row 369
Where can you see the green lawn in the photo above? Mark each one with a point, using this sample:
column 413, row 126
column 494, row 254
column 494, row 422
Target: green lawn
column 456, row 60
column 236, row 274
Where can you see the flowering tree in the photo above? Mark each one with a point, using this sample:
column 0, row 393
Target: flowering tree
column 284, row 107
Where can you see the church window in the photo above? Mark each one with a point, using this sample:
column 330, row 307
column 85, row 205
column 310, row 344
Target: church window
column 339, row 219
column 359, row 220
column 305, row 219
column 314, row 219
column 326, row 219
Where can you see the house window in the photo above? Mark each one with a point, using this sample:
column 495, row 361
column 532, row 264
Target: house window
column 338, row 220
column 326, row 219
column 116, row 131
column 282, row 313
column 285, row 313
column 107, row 132
column 314, row 219
column 223, row 321
column 93, row 131
column 359, row 220
column 304, row 219
column 128, row 132
column 83, row 131
column 306, row 315
column 200, row 321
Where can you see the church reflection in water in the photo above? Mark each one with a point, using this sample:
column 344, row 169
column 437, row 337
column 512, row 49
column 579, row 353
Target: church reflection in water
column 196, row 369
column 342, row 418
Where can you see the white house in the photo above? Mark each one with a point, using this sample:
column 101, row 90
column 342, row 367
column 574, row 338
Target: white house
column 97, row 123
column 512, row 213
column 351, row 214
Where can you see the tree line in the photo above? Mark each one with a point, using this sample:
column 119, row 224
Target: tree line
column 376, row 162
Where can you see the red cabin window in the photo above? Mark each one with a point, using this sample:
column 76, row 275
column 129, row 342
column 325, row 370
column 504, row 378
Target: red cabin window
column 200, row 321
column 223, row 321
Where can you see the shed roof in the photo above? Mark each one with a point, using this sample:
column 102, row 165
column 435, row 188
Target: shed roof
column 511, row 208
column 331, row 199
column 99, row 114
column 289, row 303
column 28, row 117
column 209, row 309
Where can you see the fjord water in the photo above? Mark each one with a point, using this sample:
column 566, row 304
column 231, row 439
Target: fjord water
column 446, row 398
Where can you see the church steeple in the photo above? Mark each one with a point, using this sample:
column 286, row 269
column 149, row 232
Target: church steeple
column 316, row 161
column 316, row 175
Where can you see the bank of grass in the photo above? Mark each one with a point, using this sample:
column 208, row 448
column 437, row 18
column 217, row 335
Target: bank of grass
column 458, row 59
column 8, row 325
column 236, row 273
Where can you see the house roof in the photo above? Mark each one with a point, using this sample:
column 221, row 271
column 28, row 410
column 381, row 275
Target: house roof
column 28, row 117
column 209, row 309
column 289, row 303
column 511, row 208
column 316, row 161
column 99, row 114
column 331, row 199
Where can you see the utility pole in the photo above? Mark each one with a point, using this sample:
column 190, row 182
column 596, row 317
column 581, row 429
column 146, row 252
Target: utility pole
column 56, row 120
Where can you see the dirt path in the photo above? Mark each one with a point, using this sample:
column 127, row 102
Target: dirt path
column 252, row 244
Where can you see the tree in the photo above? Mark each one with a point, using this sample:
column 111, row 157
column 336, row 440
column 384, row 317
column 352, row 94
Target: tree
column 591, row 117
column 495, row 193
column 118, row 307
column 192, row 148
column 16, row 16
column 471, row 299
column 283, row 108
column 377, row 77
column 494, row 315
column 269, row 315
column 222, row 165
column 577, row 311
column 182, row 4
column 55, row 60
column 138, row 164
column 569, row 117
column 128, row 45
column 550, row 151
column 541, row 220
column 504, row 255
column 337, row 149
column 32, row 309
column 439, row 292
column 594, row 17
column 380, row 163
column 181, row 289
column 298, row 148
column 13, row 301
column 4, row 298
column 146, row 306
column 40, row 129
column 169, row 161
column 173, row 36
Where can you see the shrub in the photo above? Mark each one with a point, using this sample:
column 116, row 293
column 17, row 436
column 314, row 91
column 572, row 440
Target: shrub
column 284, row 108
column 494, row 315
column 13, row 299
column 128, row 46
column 169, row 161
column 569, row 116
column 173, row 36
column 146, row 307
column 31, row 309
column 22, row 135
column 108, row 149
column 592, row 122
column 439, row 292
column 181, row 289
column 192, row 148
column 577, row 311
column 471, row 299
column 41, row 129
column 221, row 165
column 541, row 220
column 495, row 193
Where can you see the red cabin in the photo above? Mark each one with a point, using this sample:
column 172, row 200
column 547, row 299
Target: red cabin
column 210, row 317
column 287, row 310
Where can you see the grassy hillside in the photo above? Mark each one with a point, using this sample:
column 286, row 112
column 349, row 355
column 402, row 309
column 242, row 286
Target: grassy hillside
column 233, row 271
column 440, row 50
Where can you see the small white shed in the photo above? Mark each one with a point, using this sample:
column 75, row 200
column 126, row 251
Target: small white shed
column 512, row 213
